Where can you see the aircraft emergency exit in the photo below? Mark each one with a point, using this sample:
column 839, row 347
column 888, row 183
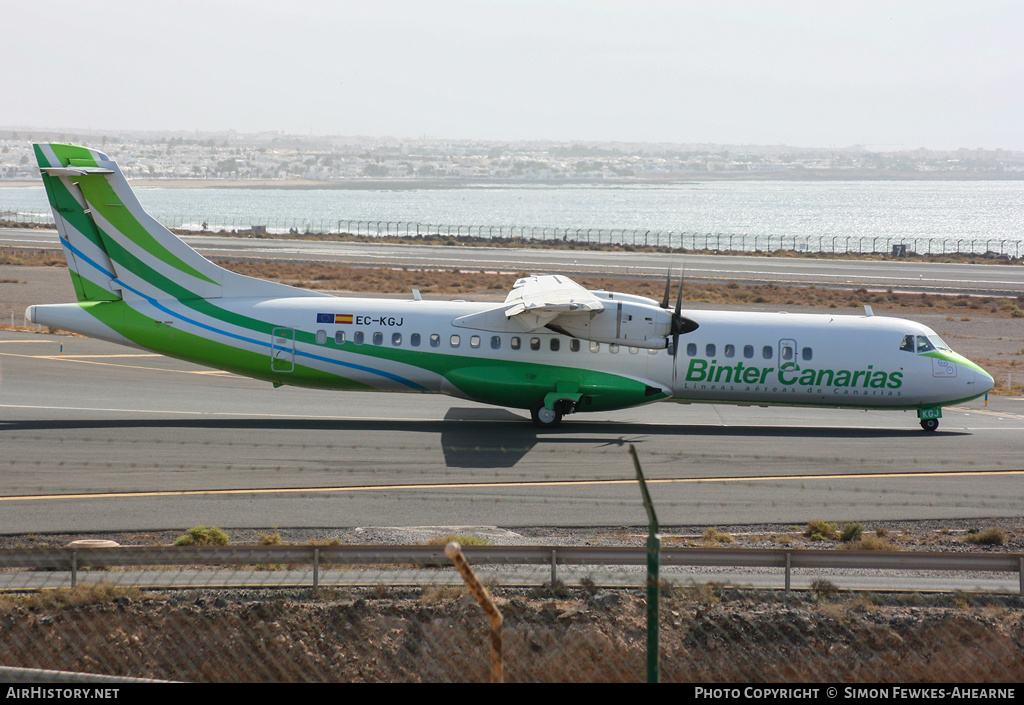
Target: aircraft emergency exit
column 552, row 347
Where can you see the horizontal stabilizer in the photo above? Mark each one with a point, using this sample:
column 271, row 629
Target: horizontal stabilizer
column 75, row 170
column 117, row 251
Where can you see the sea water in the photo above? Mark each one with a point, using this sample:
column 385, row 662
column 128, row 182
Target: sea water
column 986, row 212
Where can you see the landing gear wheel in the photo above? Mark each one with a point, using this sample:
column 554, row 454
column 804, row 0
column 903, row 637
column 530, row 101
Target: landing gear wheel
column 929, row 424
column 544, row 417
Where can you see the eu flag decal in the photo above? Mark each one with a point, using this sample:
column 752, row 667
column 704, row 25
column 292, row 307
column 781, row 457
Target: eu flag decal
column 334, row 318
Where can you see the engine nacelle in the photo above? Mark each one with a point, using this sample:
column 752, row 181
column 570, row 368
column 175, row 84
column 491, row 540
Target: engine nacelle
column 622, row 322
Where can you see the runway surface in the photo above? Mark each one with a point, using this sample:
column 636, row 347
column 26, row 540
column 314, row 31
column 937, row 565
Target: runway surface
column 898, row 275
column 106, row 438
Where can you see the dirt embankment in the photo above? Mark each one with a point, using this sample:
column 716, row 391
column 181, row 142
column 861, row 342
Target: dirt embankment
column 707, row 634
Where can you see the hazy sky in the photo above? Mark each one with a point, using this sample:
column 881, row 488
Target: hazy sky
column 889, row 75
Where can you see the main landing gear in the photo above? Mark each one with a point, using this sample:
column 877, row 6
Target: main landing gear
column 544, row 417
column 929, row 424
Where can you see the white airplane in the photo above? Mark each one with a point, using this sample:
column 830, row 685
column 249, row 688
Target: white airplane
column 552, row 347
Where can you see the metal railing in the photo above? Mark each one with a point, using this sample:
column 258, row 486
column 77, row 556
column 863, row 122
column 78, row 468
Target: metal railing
column 74, row 560
column 668, row 239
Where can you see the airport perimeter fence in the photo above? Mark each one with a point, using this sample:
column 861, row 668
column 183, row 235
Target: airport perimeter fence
column 375, row 620
column 583, row 237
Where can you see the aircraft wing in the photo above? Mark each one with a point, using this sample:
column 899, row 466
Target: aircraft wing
column 540, row 299
column 562, row 305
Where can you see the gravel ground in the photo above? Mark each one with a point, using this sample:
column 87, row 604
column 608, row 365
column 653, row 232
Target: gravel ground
column 927, row 535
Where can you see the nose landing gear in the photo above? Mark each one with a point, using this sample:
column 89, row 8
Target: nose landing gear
column 929, row 418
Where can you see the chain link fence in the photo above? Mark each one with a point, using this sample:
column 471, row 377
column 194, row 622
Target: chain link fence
column 582, row 237
column 417, row 623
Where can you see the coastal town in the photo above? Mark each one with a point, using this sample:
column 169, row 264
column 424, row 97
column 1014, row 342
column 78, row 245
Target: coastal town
column 275, row 156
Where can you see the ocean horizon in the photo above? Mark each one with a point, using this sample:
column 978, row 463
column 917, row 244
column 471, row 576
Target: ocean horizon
column 802, row 211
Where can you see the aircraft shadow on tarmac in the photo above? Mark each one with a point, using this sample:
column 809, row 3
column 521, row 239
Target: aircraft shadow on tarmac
column 481, row 437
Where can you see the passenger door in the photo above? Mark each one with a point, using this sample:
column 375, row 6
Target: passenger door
column 282, row 350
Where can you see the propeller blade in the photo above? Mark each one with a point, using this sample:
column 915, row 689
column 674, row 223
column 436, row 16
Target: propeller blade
column 680, row 323
column 677, row 317
column 679, row 299
column 668, row 289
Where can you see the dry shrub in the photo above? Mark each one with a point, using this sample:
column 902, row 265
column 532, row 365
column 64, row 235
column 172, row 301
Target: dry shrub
column 820, row 530
column 713, row 535
column 988, row 537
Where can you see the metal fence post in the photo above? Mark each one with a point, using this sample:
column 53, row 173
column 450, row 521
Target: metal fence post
column 454, row 552
column 653, row 565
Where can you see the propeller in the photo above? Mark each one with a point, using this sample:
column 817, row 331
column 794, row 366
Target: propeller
column 680, row 323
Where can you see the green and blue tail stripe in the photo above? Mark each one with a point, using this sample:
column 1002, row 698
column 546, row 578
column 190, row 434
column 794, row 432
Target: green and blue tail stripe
column 101, row 221
column 142, row 285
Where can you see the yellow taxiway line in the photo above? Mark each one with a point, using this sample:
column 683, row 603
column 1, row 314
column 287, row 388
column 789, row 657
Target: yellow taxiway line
column 86, row 360
column 498, row 485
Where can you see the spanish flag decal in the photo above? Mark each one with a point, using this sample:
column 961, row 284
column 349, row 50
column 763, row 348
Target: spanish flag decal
column 334, row 318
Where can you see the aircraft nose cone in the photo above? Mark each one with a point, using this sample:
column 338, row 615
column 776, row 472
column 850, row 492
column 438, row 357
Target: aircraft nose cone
column 984, row 381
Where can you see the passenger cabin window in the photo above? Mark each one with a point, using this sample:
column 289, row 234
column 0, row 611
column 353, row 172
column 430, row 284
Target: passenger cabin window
column 787, row 352
column 378, row 338
column 633, row 351
column 357, row 338
column 495, row 342
column 414, row 340
column 613, row 348
column 748, row 351
column 321, row 337
column 534, row 343
column 595, row 347
column 396, row 339
column 766, row 352
column 555, row 344
column 574, row 344
column 435, row 340
column 709, row 350
column 515, row 343
column 455, row 341
column 339, row 337
column 730, row 350
column 474, row 342
column 691, row 349
column 807, row 353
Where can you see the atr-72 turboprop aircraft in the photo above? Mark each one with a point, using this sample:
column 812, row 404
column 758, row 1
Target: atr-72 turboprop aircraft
column 552, row 347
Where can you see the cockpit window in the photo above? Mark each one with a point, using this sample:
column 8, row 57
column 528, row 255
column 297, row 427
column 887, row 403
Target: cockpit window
column 923, row 343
